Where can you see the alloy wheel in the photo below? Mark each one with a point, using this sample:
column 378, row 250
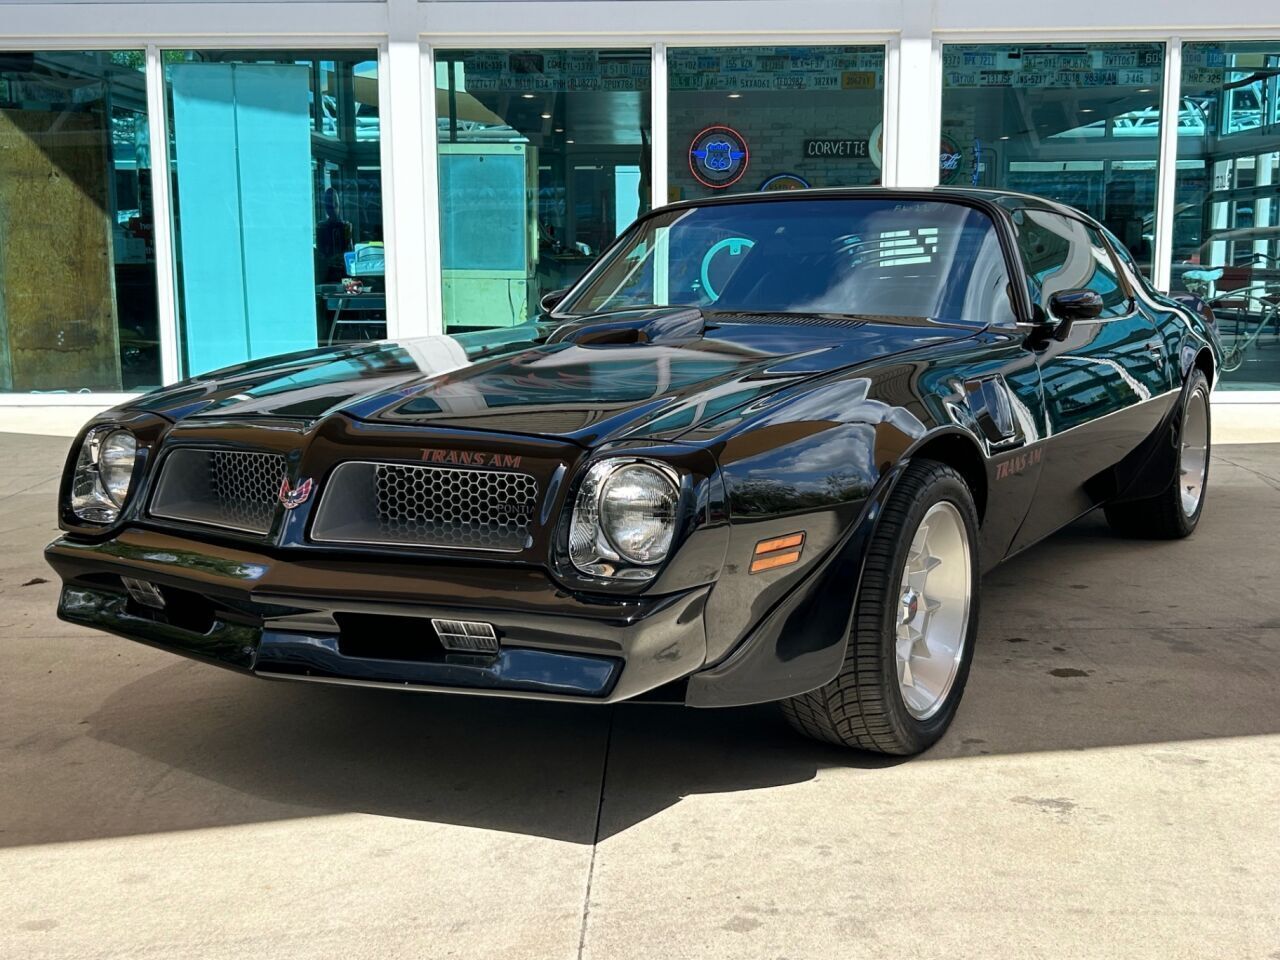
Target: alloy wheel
column 933, row 610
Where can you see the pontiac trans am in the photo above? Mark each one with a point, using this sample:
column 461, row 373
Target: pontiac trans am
column 762, row 450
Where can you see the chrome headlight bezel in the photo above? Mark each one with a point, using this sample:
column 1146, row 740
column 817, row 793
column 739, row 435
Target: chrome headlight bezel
column 95, row 498
column 598, row 551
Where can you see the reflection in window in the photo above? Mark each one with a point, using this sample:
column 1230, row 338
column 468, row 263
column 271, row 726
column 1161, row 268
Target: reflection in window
column 1075, row 123
column 861, row 257
column 1226, row 238
column 779, row 118
column 1062, row 253
column 544, row 160
column 277, row 201
column 77, row 253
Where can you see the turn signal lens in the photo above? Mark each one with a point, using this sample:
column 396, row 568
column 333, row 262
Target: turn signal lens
column 777, row 552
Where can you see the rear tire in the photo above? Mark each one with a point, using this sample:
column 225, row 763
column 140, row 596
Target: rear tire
column 914, row 622
column 1174, row 513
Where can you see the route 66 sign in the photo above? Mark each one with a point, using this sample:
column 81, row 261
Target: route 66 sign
column 718, row 157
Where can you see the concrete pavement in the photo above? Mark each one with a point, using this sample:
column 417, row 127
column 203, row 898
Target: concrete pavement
column 1111, row 787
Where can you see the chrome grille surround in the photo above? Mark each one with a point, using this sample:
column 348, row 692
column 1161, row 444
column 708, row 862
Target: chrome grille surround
column 428, row 506
column 237, row 489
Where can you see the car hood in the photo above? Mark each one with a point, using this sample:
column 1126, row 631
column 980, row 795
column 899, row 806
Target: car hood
column 592, row 379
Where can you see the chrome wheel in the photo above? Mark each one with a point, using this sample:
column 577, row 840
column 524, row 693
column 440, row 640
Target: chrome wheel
column 933, row 610
column 1193, row 460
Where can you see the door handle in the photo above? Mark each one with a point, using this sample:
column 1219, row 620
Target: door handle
column 1156, row 349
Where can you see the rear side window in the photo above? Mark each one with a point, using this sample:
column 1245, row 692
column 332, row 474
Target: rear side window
column 1062, row 253
column 1133, row 273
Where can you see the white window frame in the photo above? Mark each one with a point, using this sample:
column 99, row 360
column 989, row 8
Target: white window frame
column 658, row 144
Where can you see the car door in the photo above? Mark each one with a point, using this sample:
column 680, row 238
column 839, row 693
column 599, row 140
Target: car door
column 1105, row 382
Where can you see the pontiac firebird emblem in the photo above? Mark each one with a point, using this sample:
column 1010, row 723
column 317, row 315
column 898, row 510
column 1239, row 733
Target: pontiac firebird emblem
column 297, row 496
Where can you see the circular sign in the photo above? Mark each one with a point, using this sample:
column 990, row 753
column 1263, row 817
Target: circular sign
column 784, row 181
column 718, row 157
column 949, row 160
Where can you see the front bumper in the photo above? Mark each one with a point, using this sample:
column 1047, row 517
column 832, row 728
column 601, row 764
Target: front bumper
column 358, row 622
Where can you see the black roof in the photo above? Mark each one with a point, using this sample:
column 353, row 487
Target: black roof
column 1005, row 199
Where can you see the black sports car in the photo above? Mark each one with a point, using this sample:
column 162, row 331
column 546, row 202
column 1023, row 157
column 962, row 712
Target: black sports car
column 762, row 450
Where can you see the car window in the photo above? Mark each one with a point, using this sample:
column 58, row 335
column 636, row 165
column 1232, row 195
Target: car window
column 1134, row 275
column 887, row 257
column 1062, row 253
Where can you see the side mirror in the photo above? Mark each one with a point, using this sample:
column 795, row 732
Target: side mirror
column 551, row 300
column 1068, row 306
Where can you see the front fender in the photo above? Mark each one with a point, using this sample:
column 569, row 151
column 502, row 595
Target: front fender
column 800, row 644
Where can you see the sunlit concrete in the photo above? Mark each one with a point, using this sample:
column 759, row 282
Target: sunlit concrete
column 1110, row 789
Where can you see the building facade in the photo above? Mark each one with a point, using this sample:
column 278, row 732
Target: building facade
column 188, row 185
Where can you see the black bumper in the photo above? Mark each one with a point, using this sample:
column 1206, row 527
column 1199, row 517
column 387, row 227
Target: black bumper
column 344, row 622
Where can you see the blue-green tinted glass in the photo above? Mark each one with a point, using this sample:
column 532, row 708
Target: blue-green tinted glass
column 77, row 249
column 277, row 201
column 1078, row 123
column 836, row 256
column 1226, row 235
column 543, row 160
column 741, row 119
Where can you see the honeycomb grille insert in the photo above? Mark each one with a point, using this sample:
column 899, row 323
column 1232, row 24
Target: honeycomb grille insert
column 427, row 506
column 227, row 488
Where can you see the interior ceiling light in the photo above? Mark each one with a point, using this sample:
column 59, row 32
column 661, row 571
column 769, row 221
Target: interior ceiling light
column 546, row 116
column 526, row 96
column 735, row 96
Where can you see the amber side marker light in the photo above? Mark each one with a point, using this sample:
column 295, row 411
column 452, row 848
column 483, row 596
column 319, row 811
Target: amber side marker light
column 778, row 552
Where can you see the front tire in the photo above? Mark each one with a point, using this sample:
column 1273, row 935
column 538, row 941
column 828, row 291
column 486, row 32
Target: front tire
column 1174, row 513
column 913, row 626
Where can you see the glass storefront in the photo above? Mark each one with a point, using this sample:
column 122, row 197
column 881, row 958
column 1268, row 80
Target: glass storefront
column 773, row 118
column 77, row 253
column 1226, row 237
column 1079, row 123
column 544, row 158
column 277, row 201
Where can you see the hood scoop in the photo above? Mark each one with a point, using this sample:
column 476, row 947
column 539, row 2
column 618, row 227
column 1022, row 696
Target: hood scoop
column 680, row 326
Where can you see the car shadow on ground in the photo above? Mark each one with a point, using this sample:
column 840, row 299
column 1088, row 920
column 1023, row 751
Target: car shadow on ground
column 1087, row 641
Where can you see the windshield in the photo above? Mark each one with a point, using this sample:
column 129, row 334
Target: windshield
column 882, row 256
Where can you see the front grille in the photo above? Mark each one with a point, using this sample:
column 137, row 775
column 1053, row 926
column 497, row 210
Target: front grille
column 397, row 503
column 225, row 488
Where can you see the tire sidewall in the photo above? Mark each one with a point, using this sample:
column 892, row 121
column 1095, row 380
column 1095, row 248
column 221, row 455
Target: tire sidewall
column 923, row 733
column 1197, row 382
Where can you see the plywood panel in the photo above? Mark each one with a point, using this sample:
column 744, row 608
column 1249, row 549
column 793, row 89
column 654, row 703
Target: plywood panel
column 57, row 311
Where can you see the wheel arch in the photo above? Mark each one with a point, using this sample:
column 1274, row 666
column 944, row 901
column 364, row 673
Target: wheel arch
column 961, row 452
column 1204, row 362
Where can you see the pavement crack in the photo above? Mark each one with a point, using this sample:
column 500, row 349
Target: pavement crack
column 1266, row 478
column 595, row 836
column 28, row 489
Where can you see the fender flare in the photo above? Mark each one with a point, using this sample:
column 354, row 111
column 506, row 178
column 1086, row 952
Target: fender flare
column 801, row 643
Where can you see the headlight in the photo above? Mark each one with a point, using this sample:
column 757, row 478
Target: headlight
column 104, row 471
column 624, row 519
column 115, row 464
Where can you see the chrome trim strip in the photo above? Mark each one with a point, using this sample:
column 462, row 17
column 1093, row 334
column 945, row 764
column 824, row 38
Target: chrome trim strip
column 433, row 688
